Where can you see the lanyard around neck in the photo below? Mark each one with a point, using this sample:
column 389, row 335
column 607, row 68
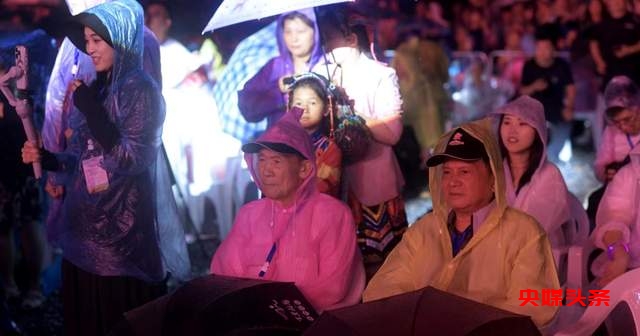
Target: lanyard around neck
column 631, row 144
column 267, row 263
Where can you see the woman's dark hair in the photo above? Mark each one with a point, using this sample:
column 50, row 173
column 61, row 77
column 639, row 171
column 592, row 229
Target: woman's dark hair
column 319, row 85
column 535, row 156
column 298, row 15
column 360, row 30
column 341, row 19
column 331, row 19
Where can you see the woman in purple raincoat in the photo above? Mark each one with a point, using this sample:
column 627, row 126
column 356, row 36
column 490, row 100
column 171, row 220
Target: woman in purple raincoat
column 265, row 95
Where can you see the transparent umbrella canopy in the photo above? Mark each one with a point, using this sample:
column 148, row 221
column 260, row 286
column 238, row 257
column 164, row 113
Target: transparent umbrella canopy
column 236, row 11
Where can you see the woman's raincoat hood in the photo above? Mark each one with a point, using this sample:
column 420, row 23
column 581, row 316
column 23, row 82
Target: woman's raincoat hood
column 316, row 50
column 482, row 131
column 287, row 131
column 530, row 111
column 124, row 22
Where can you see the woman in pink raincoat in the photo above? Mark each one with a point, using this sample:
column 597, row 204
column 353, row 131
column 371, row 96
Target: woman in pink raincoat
column 294, row 233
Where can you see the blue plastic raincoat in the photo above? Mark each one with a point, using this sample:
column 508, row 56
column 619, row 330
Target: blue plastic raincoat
column 120, row 231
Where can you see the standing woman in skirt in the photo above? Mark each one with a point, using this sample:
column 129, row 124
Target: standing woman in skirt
column 109, row 236
column 374, row 182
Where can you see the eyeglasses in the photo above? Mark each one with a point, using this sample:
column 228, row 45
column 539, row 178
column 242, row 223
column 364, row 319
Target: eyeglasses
column 626, row 120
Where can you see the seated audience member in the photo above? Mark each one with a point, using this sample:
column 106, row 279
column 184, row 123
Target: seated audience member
column 620, row 136
column 618, row 223
column 472, row 244
column 295, row 233
column 533, row 184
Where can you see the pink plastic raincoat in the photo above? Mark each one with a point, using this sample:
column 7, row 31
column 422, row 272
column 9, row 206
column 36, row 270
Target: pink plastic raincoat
column 614, row 147
column 315, row 238
column 619, row 211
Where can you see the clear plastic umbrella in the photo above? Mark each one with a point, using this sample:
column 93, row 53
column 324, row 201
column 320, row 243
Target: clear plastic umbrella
column 236, row 11
column 77, row 6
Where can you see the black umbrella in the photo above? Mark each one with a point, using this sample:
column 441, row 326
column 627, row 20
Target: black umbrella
column 217, row 305
column 427, row 311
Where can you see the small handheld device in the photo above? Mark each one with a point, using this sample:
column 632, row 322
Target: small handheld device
column 22, row 62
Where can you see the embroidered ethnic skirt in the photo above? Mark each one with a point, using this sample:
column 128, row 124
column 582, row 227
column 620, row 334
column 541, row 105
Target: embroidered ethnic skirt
column 379, row 227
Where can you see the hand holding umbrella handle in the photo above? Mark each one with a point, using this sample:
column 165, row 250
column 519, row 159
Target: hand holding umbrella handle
column 23, row 108
column 32, row 135
column 21, row 103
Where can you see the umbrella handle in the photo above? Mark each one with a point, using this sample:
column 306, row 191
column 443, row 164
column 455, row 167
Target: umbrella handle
column 331, row 118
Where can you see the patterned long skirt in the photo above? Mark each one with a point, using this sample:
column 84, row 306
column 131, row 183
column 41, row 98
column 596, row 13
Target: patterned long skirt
column 379, row 227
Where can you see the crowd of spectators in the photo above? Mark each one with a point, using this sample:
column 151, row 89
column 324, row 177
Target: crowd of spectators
column 456, row 62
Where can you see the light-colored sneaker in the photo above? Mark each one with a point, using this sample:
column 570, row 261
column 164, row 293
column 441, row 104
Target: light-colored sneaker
column 32, row 300
column 12, row 292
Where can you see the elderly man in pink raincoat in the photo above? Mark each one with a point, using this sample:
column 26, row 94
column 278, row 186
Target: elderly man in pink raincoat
column 294, row 233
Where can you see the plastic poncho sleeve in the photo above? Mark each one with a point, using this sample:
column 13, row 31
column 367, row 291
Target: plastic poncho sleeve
column 605, row 154
column 140, row 131
column 52, row 131
column 531, row 270
column 546, row 201
column 102, row 129
column 388, row 108
column 261, row 97
column 397, row 275
column 341, row 277
column 228, row 257
column 151, row 57
column 173, row 246
column 618, row 207
column 56, row 120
